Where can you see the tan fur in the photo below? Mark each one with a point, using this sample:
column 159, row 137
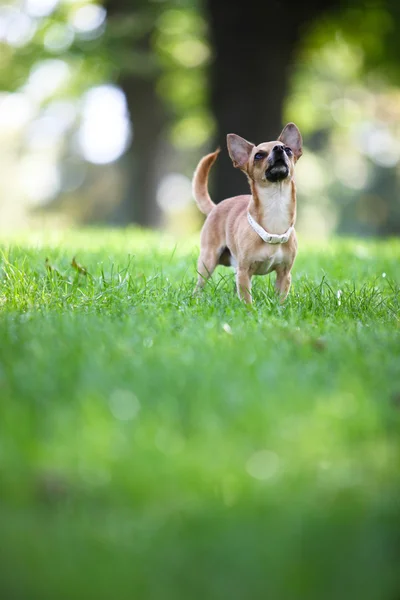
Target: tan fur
column 227, row 238
column 200, row 181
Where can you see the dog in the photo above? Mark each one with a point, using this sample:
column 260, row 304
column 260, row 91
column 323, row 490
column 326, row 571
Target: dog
column 253, row 233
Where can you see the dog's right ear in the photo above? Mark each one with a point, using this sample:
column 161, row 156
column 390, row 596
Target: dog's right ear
column 239, row 150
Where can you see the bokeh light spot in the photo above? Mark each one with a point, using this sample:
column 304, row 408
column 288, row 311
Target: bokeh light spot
column 105, row 131
column 263, row 464
column 124, row 405
column 174, row 192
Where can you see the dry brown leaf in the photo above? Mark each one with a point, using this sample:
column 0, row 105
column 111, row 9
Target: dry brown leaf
column 82, row 270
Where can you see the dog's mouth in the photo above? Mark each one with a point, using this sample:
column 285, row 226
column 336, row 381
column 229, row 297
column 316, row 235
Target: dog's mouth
column 277, row 171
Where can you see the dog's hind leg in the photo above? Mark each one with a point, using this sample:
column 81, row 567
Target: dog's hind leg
column 205, row 268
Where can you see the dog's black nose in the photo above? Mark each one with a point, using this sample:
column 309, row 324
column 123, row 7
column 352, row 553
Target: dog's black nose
column 278, row 149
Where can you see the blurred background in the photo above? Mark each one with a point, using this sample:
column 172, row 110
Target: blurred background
column 105, row 108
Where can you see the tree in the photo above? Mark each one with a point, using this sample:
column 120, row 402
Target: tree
column 255, row 46
column 136, row 69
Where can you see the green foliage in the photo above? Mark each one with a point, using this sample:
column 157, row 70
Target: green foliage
column 342, row 95
column 344, row 100
column 156, row 445
column 52, row 38
column 180, row 40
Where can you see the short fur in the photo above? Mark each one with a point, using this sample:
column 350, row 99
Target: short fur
column 226, row 237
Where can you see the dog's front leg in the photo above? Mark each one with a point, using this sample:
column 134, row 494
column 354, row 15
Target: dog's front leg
column 243, row 284
column 283, row 282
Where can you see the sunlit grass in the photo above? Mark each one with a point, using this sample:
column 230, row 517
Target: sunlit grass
column 156, row 445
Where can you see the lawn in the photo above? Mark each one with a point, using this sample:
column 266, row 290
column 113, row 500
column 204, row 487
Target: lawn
column 156, row 446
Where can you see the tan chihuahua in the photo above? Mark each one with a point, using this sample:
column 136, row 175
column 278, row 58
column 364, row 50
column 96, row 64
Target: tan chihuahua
column 253, row 233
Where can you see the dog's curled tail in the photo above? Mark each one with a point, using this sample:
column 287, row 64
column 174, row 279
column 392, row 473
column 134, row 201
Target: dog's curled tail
column 200, row 182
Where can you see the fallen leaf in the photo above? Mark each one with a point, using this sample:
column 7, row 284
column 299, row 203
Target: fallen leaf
column 82, row 270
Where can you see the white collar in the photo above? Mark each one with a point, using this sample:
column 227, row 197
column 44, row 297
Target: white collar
column 270, row 238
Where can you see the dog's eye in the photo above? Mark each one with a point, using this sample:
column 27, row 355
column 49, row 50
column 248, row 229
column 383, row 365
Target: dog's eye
column 259, row 155
column 288, row 150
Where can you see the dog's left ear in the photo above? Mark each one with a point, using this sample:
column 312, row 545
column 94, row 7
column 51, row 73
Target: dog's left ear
column 291, row 137
column 239, row 150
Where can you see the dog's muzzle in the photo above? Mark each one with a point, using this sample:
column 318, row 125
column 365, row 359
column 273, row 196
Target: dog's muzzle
column 278, row 168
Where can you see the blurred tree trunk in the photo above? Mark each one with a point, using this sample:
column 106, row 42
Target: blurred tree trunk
column 255, row 44
column 137, row 78
column 141, row 162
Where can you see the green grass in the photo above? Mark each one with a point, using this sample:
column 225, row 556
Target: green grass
column 159, row 446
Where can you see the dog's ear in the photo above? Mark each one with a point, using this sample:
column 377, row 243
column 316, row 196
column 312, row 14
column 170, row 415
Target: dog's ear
column 291, row 137
column 239, row 150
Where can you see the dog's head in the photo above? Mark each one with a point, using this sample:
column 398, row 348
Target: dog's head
column 269, row 162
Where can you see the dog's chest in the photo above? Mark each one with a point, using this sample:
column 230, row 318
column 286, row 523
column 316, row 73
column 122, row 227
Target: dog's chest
column 268, row 258
column 277, row 206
